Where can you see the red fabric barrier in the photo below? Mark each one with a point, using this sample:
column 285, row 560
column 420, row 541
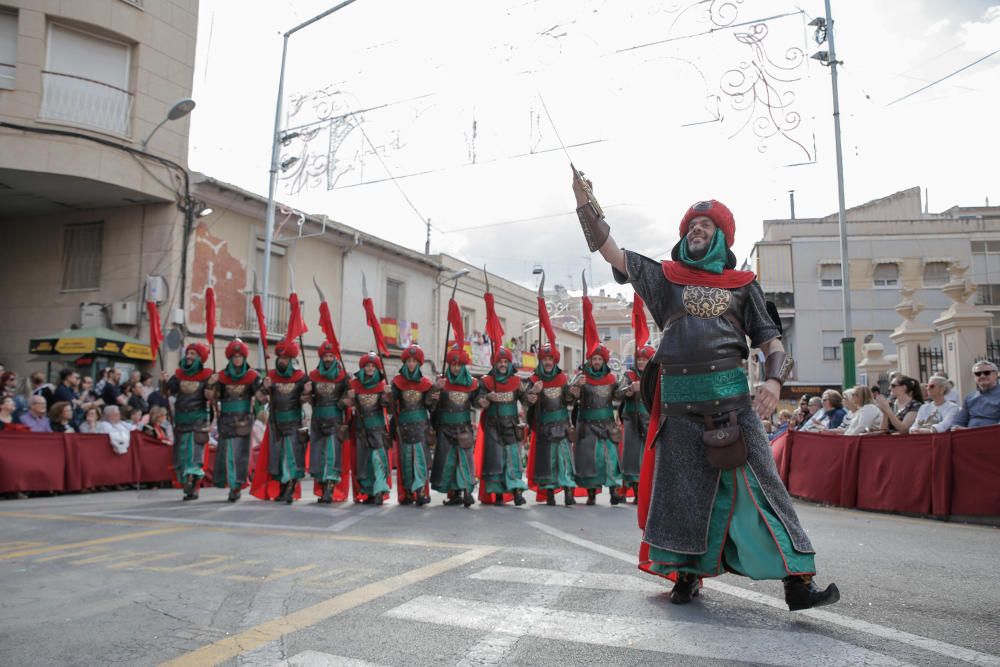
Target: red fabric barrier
column 942, row 474
column 74, row 461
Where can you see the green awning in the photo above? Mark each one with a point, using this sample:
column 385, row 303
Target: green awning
column 95, row 340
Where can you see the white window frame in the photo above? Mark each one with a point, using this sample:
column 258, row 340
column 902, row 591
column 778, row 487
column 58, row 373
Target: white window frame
column 833, row 286
column 67, row 229
column 11, row 66
column 886, row 284
column 923, row 272
column 401, row 313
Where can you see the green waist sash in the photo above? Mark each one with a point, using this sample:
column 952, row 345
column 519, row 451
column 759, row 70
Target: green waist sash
column 463, row 417
column 560, row 415
column 704, row 386
column 597, row 414
column 633, row 406
column 503, row 410
column 328, row 411
column 236, row 406
column 190, row 417
column 412, row 416
column 374, row 422
column 288, row 416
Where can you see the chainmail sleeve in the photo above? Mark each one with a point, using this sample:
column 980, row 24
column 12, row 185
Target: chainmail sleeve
column 646, row 276
column 756, row 320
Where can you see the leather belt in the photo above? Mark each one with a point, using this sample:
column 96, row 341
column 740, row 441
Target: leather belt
column 703, row 367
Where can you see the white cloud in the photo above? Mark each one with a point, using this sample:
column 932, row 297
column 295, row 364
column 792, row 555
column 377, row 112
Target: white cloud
column 982, row 35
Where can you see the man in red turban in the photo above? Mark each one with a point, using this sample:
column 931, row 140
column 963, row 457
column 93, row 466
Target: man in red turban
column 238, row 385
column 285, row 389
column 193, row 386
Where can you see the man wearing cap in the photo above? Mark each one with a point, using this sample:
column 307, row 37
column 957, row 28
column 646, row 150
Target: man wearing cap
column 454, row 470
column 238, row 385
column 286, row 388
column 550, row 459
column 502, row 472
column 193, row 387
column 597, row 428
column 371, row 436
column 981, row 407
column 710, row 499
column 413, row 395
column 327, row 429
column 635, row 420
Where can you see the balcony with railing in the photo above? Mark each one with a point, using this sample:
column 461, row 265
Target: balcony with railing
column 85, row 103
column 276, row 309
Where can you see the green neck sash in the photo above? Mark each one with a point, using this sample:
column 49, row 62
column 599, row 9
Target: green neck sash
column 287, row 373
column 714, row 260
column 191, row 368
column 463, row 379
column 501, row 378
column 368, row 382
column 597, row 375
column 329, row 372
column 237, row 373
column 547, row 377
column 412, row 377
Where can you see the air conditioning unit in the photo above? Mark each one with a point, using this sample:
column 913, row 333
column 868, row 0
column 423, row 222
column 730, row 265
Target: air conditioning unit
column 124, row 313
column 92, row 316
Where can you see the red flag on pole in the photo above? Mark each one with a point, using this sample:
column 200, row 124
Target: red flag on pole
column 375, row 325
column 455, row 320
column 210, row 315
column 258, row 307
column 591, row 339
column 296, row 323
column 155, row 330
column 639, row 325
column 326, row 324
column 543, row 321
column 493, row 327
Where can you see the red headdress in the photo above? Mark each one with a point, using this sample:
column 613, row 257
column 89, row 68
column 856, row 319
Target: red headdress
column 236, row 346
column 718, row 212
column 287, row 348
column 645, row 352
column 370, row 358
column 457, row 355
column 603, row 351
column 201, row 349
column 503, row 353
column 413, row 352
column 548, row 350
column 327, row 348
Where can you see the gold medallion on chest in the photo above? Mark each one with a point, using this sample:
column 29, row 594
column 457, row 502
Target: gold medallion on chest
column 706, row 302
column 459, row 398
column 283, row 387
column 325, row 388
column 411, row 396
column 553, row 392
column 368, row 400
column 190, row 386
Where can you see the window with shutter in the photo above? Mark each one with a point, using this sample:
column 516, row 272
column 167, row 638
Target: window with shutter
column 886, row 275
column 935, row 274
column 830, row 277
column 8, row 48
column 82, row 251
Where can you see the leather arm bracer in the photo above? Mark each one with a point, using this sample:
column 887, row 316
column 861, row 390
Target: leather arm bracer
column 595, row 229
column 778, row 366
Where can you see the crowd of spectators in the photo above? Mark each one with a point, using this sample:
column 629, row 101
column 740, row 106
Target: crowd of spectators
column 934, row 407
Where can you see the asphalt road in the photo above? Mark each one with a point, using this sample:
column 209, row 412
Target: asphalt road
column 140, row 578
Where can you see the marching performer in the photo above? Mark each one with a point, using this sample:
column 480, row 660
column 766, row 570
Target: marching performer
column 412, row 396
column 598, row 432
column 370, row 394
column 238, row 386
column 635, row 420
column 710, row 499
column 550, row 459
column 286, row 388
column 501, row 470
column 193, row 387
column 454, row 470
column 327, row 426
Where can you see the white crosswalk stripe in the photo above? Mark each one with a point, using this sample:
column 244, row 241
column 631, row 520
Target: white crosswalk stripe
column 741, row 644
column 319, row 659
column 592, row 580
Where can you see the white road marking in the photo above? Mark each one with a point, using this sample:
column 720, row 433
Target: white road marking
column 592, row 580
column 317, row 659
column 751, row 645
column 925, row 643
column 350, row 521
column 223, row 524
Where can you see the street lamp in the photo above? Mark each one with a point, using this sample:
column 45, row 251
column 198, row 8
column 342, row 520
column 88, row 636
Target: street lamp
column 277, row 138
column 824, row 32
column 180, row 109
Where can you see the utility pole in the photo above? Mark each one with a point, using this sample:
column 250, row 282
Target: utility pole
column 427, row 243
column 825, row 27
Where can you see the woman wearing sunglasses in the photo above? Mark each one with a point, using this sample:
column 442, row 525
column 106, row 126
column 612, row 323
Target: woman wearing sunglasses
column 938, row 413
column 908, row 397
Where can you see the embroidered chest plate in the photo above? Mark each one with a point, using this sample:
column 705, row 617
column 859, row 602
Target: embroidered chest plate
column 458, row 398
column 601, row 391
column 553, row 392
column 505, row 397
column 368, row 400
column 190, row 386
column 325, row 388
column 412, row 396
column 285, row 388
column 236, row 391
column 706, row 302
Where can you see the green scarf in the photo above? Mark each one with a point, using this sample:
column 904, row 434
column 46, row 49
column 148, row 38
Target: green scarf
column 714, row 260
column 287, row 373
column 367, row 382
column 502, row 378
column 234, row 374
column 597, row 375
column 330, row 373
column 412, row 377
column 192, row 368
column 463, row 379
column 546, row 377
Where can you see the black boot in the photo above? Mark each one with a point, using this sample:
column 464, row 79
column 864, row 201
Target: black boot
column 407, row 499
column 550, row 497
column 327, row 497
column 379, row 498
column 467, row 498
column 189, row 490
column 519, row 497
column 570, row 498
column 454, row 498
column 802, row 593
column 687, row 586
column 290, row 493
column 498, row 499
column 616, row 498
column 422, row 499
column 635, row 494
column 591, row 496
column 234, row 494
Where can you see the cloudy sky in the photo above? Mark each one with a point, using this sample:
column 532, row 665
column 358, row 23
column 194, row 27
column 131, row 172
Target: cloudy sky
column 454, row 111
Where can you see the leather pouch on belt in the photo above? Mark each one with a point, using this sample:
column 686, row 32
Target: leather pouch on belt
column 724, row 445
column 431, row 436
column 243, row 425
column 466, row 438
column 520, row 432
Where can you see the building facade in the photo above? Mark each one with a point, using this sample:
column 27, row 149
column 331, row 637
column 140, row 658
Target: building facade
column 892, row 244
column 88, row 211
